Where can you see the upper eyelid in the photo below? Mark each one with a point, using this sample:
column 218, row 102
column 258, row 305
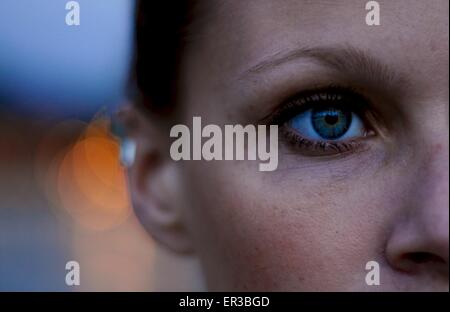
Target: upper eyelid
column 289, row 105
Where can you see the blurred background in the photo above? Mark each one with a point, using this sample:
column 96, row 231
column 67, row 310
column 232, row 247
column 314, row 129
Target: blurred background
column 63, row 192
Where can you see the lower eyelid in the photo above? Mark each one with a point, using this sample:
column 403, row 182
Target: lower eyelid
column 321, row 148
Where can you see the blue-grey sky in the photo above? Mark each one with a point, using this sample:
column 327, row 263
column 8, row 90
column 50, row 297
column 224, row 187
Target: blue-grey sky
column 50, row 68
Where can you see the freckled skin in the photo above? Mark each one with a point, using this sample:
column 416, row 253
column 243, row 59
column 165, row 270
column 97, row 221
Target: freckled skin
column 312, row 224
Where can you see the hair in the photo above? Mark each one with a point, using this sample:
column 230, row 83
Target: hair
column 160, row 29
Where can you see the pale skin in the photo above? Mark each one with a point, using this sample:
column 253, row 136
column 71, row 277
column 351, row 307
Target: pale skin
column 314, row 223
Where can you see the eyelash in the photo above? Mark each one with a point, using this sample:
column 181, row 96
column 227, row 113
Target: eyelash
column 345, row 97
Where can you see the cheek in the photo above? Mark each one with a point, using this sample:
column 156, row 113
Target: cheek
column 266, row 234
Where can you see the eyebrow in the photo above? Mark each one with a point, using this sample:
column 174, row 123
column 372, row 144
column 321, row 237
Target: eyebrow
column 347, row 60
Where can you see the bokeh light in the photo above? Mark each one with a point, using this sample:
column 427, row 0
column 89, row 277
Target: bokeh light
column 91, row 183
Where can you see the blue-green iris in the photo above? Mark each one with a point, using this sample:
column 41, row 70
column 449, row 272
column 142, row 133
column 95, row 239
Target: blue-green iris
column 331, row 123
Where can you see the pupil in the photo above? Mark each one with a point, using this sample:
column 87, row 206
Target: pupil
column 331, row 119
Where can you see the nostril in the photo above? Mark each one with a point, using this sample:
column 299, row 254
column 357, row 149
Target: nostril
column 423, row 257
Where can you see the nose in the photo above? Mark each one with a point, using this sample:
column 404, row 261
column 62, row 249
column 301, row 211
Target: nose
column 419, row 242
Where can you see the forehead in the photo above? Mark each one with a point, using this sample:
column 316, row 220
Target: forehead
column 240, row 32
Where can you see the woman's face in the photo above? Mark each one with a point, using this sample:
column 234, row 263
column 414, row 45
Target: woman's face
column 314, row 222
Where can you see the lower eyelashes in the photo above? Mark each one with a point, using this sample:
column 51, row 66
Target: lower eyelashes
column 320, row 148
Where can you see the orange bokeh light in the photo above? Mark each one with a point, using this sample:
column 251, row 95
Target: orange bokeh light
column 91, row 182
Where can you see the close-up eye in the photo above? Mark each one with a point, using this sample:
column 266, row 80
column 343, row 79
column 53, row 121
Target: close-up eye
column 325, row 122
column 328, row 123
